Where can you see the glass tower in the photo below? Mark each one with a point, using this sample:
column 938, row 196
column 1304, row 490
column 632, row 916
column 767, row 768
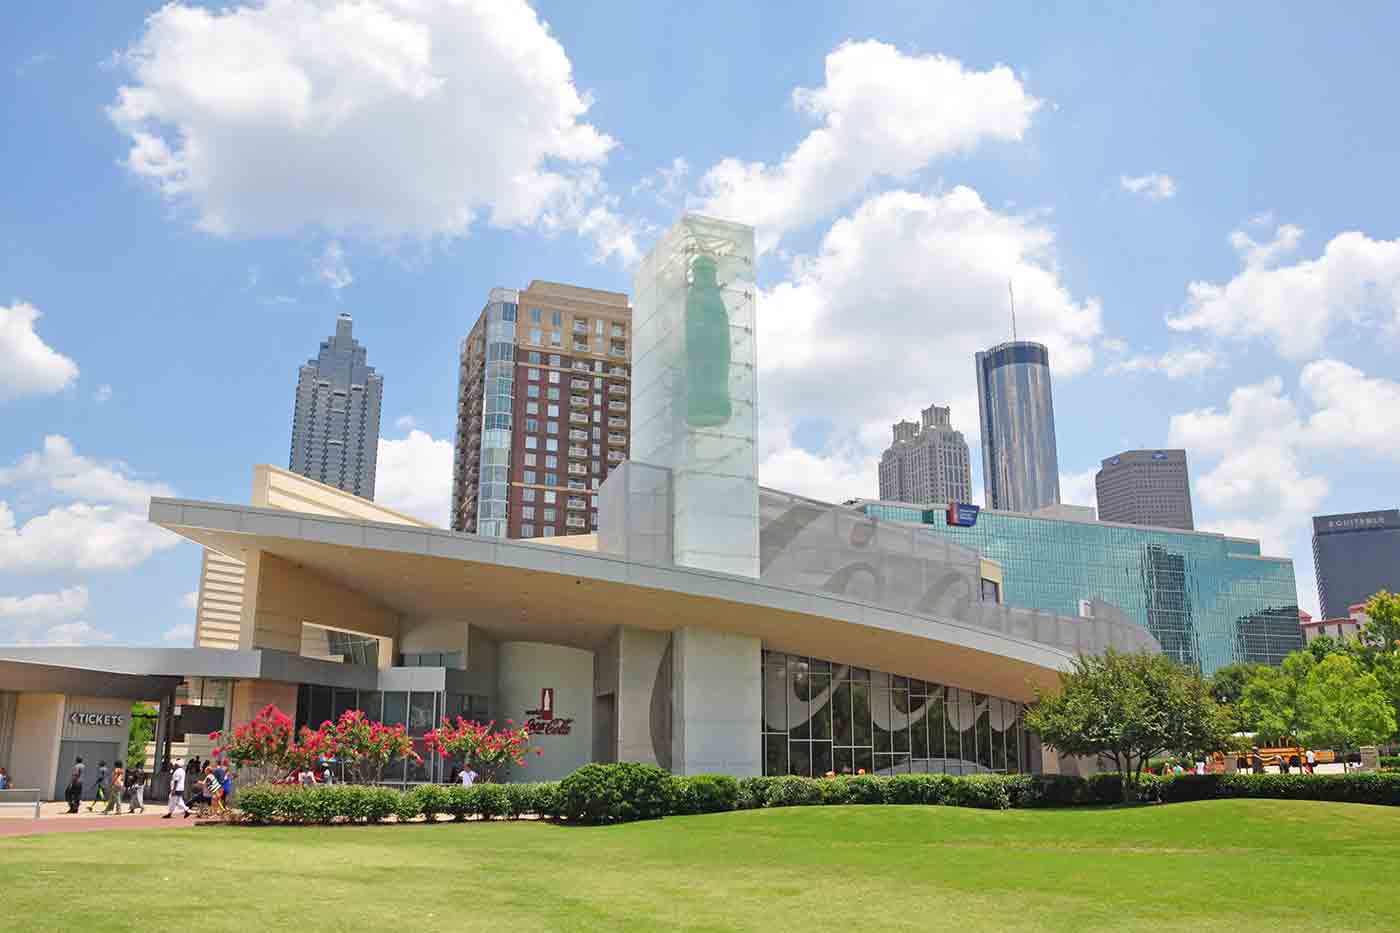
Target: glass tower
column 335, row 424
column 1020, row 469
column 481, row 468
column 1209, row 600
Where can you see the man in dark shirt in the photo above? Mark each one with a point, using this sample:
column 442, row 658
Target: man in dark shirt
column 73, row 793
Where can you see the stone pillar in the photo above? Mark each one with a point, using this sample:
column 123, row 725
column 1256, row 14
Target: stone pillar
column 716, row 703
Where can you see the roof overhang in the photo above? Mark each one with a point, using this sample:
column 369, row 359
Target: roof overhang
column 518, row 591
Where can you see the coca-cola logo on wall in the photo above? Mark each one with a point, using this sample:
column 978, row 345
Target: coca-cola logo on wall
column 543, row 722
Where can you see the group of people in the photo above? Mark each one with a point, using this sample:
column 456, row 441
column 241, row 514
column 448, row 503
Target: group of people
column 121, row 785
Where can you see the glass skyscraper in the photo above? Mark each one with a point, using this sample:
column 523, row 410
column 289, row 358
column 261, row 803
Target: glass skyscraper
column 335, row 424
column 1208, row 599
column 1020, row 468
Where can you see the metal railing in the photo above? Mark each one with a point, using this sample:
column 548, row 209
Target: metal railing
column 21, row 797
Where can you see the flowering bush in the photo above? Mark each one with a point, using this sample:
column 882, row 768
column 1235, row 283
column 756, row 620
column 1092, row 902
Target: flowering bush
column 267, row 741
column 363, row 745
column 484, row 747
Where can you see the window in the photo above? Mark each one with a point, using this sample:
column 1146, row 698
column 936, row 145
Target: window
column 552, row 427
column 554, row 359
column 618, row 330
column 533, row 373
column 551, row 462
column 534, row 356
column 554, row 393
column 527, row 531
column 991, row 593
column 530, row 476
column 529, row 458
column 534, row 315
column 555, row 338
column 532, row 408
column 532, row 391
column 554, row 411
column 528, row 513
column 551, row 479
column 549, row 497
column 554, row 376
column 551, row 443
column 556, row 318
column 527, row 495
column 535, row 335
column 532, row 424
column 597, row 433
column 598, row 327
column 549, row 515
column 597, row 398
column 530, row 442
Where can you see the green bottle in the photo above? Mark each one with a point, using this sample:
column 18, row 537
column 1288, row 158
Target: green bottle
column 706, row 349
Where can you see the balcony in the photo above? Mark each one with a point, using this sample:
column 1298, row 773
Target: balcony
column 618, row 371
column 617, row 422
column 581, row 452
column 576, row 435
column 576, row 521
column 578, row 469
column 580, row 346
column 577, row 484
column 618, row 439
column 616, row 405
column 581, row 327
column 583, row 366
column 579, row 401
column 578, row 384
column 616, row 389
column 578, row 417
column 577, row 502
column 617, row 351
column 616, row 456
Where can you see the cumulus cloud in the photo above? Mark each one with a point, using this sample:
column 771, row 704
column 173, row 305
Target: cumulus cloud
column 1356, row 281
column 1154, row 186
column 884, row 114
column 1174, row 364
column 73, row 633
column 31, row 367
column 414, row 476
column 59, row 468
column 1079, row 488
column 1352, row 410
column 41, row 617
column 332, row 268
column 373, row 116
column 894, row 303
column 183, row 633
column 79, row 537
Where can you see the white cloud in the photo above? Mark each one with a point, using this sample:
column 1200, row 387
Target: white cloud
column 79, row 537
column 884, row 114
column 39, row 607
column 1154, row 186
column 73, row 633
column 379, row 116
column 414, row 476
column 1174, row 364
column 332, row 268
column 896, row 300
column 1352, row 410
column 59, row 468
column 1355, row 281
column 1079, row 489
column 103, row 393
column 31, row 367
column 190, row 600
column 405, row 423
column 183, row 632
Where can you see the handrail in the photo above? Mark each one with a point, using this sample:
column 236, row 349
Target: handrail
column 33, row 791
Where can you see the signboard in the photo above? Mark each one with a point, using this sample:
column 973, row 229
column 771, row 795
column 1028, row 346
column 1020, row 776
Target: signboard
column 1159, row 455
column 542, row 720
column 1360, row 521
column 962, row 514
column 79, row 718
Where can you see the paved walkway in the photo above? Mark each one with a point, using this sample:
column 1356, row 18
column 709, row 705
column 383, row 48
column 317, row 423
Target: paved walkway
column 55, row 818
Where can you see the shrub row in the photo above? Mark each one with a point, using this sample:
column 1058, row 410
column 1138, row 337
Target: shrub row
column 618, row 793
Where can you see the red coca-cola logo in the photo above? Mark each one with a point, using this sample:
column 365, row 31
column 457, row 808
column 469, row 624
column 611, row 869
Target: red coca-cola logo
column 550, row 726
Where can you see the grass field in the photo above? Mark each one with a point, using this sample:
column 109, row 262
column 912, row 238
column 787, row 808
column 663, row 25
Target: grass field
column 1241, row 864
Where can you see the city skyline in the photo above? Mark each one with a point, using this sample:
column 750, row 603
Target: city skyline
column 1217, row 279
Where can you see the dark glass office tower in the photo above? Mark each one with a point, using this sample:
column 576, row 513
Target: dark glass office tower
column 1355, row 555
column 1020, row 468
column 335, row 424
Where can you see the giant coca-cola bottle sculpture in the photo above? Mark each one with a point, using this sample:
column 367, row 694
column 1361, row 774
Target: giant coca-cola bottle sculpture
column 706, row 348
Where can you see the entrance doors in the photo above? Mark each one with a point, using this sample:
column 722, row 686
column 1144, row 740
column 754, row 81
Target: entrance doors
column 92, row 753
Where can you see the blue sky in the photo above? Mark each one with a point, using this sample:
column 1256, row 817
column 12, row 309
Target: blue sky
column 1197, row 209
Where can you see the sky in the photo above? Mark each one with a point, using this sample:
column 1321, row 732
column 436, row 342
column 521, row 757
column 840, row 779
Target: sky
column 1196, row 208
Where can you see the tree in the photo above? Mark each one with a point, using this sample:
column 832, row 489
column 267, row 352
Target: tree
column 481, row 745
column 1273, row 697
column 1382, row 632
column 1227, row 685
column 1127, row 708
column 1343, row 705
column 1323, row 645
column 143, row 730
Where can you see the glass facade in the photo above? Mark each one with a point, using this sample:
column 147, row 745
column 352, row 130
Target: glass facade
column 493, row 498
column 820, row 717
column 1209, row 600
column 1020, row 467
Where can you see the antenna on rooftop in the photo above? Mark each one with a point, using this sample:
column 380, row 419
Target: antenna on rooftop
column 1012, row 292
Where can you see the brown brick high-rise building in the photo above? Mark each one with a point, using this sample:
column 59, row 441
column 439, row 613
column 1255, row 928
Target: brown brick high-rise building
column 543, row 410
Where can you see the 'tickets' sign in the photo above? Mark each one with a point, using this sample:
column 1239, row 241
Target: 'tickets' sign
column 542, row 721
column 96, row 719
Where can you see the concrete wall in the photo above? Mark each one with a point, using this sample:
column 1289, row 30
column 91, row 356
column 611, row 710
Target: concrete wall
column 280, row 596
column 524, row 670
column 34, row 751
column 716, row 703
column 250, row 697
column 634, row 667
column 219, row 603
column 276, row 488
column 420, row 633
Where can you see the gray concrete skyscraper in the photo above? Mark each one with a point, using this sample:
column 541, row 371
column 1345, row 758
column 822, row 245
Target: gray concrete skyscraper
column 1356, row 555
column 1020, row 468
column 927, row 462
column 335, row 427
column 1145, row 487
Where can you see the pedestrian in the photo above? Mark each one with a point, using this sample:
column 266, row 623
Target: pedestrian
column 467, row 776
column 99, row 790
column 306, row 777
column 1256, row 761
column 1201, row 766
column 73, row 793
column 326, row 776
column 138, row 789
column 4, row 779
column 213, row 789
column 1282, row 764
column 177, row 792
column 1311, row 758
column 114, row 793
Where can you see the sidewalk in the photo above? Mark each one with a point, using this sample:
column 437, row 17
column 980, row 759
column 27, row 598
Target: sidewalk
column 55, row 818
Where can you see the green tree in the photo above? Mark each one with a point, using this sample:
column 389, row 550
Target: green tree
column 1128, row 708
column 1382, row 632
column 1323, row 645
column 1273, row 697
column 143, row 730
column 1344, row 706
column 1227, row 685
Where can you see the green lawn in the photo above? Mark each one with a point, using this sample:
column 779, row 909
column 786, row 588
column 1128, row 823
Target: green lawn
column 1230, row 864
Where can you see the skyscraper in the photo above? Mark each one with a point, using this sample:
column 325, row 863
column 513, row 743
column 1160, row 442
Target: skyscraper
column 1145, row 487
column 543, row 406
column 1355, row 555
column 927, row 462
column 335, row 426
column 1020, row 468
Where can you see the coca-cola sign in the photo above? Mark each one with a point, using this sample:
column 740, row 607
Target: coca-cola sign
column 543, row 721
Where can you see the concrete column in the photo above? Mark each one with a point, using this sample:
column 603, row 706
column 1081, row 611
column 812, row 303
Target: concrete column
column 38, row 730
column 716, row 703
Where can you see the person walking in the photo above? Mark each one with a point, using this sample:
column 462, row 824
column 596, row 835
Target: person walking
column 467, row 776
column 138, row 789
column 177, row 793
column 114, row 794
column 1311, row 758
column 99, row 790
column 73, row 793
column 227, row 785
column 213, row 789
column 4, row 779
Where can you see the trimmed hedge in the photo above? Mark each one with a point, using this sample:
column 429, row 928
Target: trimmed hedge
column 618, row 793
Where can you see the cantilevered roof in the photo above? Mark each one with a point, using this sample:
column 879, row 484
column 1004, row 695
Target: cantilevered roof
column 515, row 590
